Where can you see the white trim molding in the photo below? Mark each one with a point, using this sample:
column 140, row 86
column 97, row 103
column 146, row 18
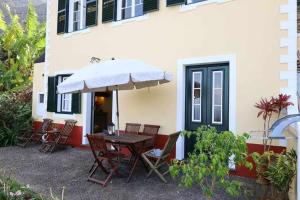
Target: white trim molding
column 47, row 55
column 290, row 59
column 181, row 74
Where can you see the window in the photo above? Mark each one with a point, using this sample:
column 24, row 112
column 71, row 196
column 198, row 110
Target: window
column 40, row 106
column 41, row 98
column 76, row 15
column 131, row 8
column 115, row 10
column 217, row 97
column 196, row 93
column 64, row 101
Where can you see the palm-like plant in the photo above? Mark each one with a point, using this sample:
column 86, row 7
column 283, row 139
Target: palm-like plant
column 266, row 110
column 20, row 46
column 281, row 102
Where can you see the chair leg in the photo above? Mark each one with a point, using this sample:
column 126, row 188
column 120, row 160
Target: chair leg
column 114, row 169
column 154, row 168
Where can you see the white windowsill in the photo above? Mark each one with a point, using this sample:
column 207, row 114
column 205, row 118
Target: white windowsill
column 82, row 31
column 133, row 19
column 193, row 6
column 64, row 116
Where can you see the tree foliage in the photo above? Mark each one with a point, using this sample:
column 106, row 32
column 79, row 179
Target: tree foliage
column 20, row 46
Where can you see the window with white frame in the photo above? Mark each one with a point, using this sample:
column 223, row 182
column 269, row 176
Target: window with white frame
column 217, row 97
column 77, row 15
column 64, row 101
column 129, row 8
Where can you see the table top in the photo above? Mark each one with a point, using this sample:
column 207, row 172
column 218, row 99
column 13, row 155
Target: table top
column 125, row 138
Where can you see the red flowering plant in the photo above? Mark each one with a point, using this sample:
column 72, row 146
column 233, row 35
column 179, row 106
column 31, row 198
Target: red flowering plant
column 267, row 108
column 281, row 103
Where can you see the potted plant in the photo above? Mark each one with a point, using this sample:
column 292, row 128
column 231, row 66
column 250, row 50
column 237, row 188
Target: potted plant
column 208, row 165
column 267, row 109
column 262, row 163
column 281, row 174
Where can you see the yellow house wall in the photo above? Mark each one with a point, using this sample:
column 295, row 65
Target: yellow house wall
column 248, row 29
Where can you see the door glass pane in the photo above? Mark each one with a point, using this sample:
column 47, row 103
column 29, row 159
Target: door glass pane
column 197, row 110
column 196, row 94
column 217, row 97
column 217, row 114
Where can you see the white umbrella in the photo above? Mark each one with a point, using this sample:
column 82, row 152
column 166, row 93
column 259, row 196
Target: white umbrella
column 114, row 75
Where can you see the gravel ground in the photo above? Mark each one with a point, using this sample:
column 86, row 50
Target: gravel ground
column 69, row 169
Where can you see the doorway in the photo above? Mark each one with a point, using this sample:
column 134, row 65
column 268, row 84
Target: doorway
column 207, row 99
column 101, row 111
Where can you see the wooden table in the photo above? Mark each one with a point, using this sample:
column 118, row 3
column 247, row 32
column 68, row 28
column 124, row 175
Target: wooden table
column 130, row 141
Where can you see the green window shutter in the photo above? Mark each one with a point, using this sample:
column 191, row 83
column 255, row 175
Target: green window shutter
column 62, row 16
column 91, row 12
column 51, row 100
column 175, row 2
column 76, row 103
column 108, row 10
column 150, row 5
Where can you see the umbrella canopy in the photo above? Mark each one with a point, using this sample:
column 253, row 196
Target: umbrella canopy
column 114, row 75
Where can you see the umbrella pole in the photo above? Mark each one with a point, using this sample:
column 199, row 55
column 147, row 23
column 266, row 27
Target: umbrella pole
column 117, row 98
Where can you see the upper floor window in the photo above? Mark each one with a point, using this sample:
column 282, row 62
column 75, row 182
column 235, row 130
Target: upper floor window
column 130, row 8
column 114, row 10
column 74, row 15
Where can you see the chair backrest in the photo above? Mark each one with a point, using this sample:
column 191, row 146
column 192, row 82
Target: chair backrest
column 45, row 125
column 170, row 144
column 150, row 129
column 132, row 128
column 97, row 143
column 68, row 127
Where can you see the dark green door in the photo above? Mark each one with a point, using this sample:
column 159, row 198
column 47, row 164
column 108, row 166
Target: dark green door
column 207, row 98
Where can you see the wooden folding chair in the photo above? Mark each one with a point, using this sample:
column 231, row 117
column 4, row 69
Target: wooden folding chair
column 32, row 135
column 101, row 154
column 150, row 130
column 58, row 138
column 132, row 128
column 157, row 161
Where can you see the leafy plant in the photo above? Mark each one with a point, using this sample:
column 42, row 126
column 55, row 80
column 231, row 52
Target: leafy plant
column 262, row 162
column 281, row 102
column 20, row 46
column 15, row 118
column 12, row 190
column 277, row 170
column 281, row 172
column 207, row 166
column 267, row 108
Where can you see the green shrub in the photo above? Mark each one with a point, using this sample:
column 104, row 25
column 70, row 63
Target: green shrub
column 15, row 117
column 282, row 171
column 208, row 165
